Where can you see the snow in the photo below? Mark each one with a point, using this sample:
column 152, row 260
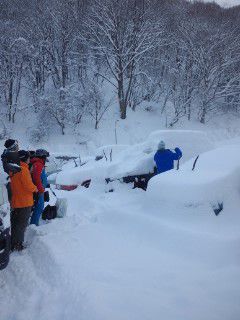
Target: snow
column 135, row 159
column 216, row 179
column 118, row 256
column 131, row 254
column 192, row 142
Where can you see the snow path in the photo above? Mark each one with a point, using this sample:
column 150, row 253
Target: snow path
column 111, row 259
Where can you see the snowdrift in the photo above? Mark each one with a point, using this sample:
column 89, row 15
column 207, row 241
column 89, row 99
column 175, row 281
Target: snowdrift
column 216, row 178
column 121, row 161
column 192, row 142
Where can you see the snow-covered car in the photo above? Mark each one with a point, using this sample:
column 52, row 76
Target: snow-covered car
column 130, row 162
column 214, row 181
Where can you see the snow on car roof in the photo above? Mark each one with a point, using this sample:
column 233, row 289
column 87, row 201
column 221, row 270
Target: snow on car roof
column 216, row 176
column 134, row 159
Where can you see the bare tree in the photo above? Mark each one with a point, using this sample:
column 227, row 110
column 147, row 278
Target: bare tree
column 121, row 33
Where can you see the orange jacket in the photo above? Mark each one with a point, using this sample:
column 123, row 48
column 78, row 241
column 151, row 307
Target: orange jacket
column 22, row 188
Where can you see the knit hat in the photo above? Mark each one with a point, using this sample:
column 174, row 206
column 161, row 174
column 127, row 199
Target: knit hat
column 161, row 145
column 11, row 144
column 41, row 153
column 23, row 155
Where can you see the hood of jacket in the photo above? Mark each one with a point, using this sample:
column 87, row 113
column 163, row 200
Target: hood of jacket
column 37, row 160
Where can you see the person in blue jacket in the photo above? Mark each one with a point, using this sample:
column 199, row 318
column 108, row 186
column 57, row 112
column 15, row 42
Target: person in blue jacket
column 40, row 180
column 164, row 158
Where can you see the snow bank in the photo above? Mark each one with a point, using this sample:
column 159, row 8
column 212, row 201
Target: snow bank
column 122, row 160
column 216, row 178
column 191, row 142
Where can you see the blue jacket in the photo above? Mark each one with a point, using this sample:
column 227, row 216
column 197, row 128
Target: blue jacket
column 165, row 159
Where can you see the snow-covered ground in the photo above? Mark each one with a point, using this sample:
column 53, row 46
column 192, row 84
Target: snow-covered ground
column 128, row 255
column 120, row 256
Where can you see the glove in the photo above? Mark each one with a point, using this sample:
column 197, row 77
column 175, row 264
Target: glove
column 35, row 197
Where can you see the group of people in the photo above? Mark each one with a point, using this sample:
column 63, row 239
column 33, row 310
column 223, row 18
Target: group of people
column 26, row 183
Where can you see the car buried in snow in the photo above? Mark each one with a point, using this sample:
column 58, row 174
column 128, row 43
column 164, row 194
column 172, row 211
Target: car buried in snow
column 212, row 179
column 130, row 163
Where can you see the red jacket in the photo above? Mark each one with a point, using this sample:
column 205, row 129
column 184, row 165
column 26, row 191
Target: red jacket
column 37, row 168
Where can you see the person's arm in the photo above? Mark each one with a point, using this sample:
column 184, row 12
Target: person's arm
column 44, row 178
column 177, row 154
column 37, row 171
column 27, row 181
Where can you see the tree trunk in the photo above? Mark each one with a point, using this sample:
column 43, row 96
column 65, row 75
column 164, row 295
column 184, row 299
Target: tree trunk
column 122, row 104
column 63, row 128
column 203, row 114
column 10, row 101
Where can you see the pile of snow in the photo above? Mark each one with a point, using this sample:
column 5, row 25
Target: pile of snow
column 121, row 160
column 215, row 179
column 115, row 257
column 191, row 142
column 57, row 160
column 111, row 151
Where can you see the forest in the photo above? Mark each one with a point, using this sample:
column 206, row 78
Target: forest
column 64, row 60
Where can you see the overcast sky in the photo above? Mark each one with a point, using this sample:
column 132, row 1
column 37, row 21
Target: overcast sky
column 227, row 3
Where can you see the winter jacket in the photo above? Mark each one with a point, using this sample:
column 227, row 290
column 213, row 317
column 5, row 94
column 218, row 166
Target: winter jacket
column 38, row 174
column 10, row 161
column 165, row 159
column 22, row 188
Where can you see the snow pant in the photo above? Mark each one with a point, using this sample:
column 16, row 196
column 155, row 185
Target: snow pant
column 38, row 209
column 19, row 222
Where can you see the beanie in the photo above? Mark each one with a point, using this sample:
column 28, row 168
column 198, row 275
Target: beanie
column 23, row 155
column 10, row 144
column 161, row 145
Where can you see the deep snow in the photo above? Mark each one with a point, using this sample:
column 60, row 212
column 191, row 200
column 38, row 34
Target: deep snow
column 123, row 256
column 215, row 179
column 118, row 256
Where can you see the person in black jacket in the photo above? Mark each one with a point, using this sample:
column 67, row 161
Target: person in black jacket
column 10, row 158
column 10, row 161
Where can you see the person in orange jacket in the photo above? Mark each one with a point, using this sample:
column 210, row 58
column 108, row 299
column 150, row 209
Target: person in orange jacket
column 22, row 201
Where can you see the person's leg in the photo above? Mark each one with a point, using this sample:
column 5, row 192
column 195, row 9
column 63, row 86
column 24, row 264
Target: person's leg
column 38, row 209
column 23, row 222
column 13, row 218
column 20, row 222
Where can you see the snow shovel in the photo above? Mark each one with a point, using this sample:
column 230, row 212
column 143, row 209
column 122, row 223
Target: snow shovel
column 178, row 164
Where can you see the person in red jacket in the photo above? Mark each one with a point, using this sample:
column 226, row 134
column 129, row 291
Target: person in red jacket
column 40, row 180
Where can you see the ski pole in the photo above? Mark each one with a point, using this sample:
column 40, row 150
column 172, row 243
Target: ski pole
column 53, row 192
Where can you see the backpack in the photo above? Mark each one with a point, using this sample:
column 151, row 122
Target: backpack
column 49, row 212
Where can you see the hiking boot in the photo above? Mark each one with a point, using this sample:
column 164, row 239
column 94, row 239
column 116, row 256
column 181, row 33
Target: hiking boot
column 17, row 247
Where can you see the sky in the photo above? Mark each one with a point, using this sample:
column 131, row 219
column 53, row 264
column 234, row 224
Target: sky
column 227, row 3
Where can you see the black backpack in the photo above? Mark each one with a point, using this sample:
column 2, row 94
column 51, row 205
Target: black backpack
column 49, row 212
